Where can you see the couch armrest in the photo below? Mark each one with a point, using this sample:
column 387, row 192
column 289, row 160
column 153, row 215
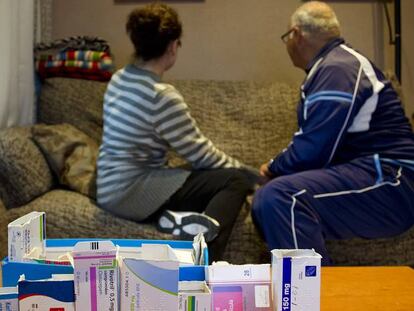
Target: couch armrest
column 24, row 172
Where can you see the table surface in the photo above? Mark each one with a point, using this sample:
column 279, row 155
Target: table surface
column 367, row 289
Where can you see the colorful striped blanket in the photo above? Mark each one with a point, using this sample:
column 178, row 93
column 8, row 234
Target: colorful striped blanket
column 105, row 64
column 79, row 55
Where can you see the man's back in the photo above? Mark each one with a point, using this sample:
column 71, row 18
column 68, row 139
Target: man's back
column 374, row 120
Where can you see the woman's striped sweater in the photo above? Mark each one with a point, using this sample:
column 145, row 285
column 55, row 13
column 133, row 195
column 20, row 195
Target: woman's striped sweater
column 143, row 119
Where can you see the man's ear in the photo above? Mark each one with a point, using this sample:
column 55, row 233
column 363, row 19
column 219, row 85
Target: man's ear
column 298, row 36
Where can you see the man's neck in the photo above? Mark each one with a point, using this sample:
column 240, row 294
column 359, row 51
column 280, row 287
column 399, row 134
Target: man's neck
column 317, row 48
column 313, row 49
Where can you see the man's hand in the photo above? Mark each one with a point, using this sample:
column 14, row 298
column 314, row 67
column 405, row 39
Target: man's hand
column 265, row 174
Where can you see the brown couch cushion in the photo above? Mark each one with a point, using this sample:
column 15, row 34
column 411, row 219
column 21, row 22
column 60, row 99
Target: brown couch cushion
column 24, row 173
column 71, row 155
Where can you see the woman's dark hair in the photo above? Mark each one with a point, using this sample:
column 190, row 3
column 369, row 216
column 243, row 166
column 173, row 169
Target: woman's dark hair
column 152, row 28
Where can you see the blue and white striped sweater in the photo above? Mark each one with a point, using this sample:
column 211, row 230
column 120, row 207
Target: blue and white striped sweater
column 143, row 119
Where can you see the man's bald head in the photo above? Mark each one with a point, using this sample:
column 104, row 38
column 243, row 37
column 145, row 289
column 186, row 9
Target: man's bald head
column 316, row 20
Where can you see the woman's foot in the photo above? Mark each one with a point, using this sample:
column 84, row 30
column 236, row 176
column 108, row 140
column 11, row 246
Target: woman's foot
column 186, row 225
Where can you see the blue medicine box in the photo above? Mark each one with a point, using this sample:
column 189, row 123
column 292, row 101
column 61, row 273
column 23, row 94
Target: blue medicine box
column 35, row 271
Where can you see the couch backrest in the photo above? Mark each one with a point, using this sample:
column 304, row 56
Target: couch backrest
column 251, row 121
column 74, row 101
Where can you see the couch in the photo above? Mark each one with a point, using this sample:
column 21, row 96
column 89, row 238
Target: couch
column 251, row 121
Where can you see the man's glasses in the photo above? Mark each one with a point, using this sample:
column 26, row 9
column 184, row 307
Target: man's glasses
column 285, row 36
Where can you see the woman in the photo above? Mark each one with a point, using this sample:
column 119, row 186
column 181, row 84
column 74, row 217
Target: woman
column 143, row 119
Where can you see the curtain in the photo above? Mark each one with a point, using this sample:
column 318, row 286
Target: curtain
column 16, row 62
column 43, row 21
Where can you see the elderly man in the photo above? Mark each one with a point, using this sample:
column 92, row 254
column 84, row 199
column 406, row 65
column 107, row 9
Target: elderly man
column 349, row 170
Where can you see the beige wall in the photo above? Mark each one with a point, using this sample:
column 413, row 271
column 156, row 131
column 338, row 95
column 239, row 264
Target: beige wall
column 407, row 65
column 407, row 51
column 229, row 39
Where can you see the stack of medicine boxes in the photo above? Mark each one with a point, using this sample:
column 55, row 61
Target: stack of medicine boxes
column 94, row 274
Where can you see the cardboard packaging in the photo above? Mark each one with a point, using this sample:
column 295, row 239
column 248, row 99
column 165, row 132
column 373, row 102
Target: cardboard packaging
column 240, row 287
column 194, row 296
column 96, row 276
column 296, row 277
column 8, row 299
column 25, row 234
column 56, row 247
column 56, row 293
column 150, row 281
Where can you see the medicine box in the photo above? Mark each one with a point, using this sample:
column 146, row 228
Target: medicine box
column 150, row 281
column 56, row 293
column 296, row 277
column 8, row 299
column 96, row 275
column 194, row 296
column 240, row 287
column 25, row 234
